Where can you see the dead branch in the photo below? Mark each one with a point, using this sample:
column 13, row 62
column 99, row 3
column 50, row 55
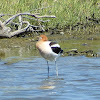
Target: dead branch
column 7, row 33
column 5, row 26
column 33, row 15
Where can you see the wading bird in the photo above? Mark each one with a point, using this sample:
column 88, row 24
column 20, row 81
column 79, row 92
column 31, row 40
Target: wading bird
column 49, row 50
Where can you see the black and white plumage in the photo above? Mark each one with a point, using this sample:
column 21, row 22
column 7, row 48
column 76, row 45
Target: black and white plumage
column 55, row 48
column 49, row 50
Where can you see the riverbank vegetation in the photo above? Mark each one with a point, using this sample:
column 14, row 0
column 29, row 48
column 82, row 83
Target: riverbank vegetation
column 70, row 14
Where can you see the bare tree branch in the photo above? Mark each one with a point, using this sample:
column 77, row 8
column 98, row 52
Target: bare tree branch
column 20, row 22
column 5, row 26
column 16, row 32
column 33, row 15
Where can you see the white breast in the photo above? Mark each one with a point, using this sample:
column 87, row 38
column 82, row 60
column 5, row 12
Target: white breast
column 46, row 51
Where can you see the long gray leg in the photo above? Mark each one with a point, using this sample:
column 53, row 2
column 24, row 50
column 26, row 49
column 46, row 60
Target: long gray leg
column 56, row 68
column 48, row 68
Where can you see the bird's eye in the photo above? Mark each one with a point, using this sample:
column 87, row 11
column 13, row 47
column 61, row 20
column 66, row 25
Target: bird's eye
column 40, row 38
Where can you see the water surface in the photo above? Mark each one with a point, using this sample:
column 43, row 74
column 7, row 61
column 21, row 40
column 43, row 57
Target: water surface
column 25, row 77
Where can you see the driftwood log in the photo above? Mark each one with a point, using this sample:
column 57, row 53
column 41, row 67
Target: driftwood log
column 21, row 25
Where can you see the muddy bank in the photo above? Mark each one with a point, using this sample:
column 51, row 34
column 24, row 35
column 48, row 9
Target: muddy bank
column 72, row 46
column 84, row 40
column 22, row 47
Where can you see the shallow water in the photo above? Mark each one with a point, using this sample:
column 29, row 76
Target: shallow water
column 25, row 78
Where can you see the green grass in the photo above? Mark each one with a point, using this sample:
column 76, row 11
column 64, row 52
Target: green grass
column 68, row 12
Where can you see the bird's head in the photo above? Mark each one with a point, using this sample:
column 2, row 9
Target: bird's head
column 43, row 38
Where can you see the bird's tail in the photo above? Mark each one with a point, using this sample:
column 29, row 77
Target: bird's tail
column 61, row 51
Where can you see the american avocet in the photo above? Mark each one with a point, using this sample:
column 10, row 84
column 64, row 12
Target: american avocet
column 49, row 50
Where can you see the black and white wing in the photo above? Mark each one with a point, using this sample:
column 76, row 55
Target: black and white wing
column 55, row 47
